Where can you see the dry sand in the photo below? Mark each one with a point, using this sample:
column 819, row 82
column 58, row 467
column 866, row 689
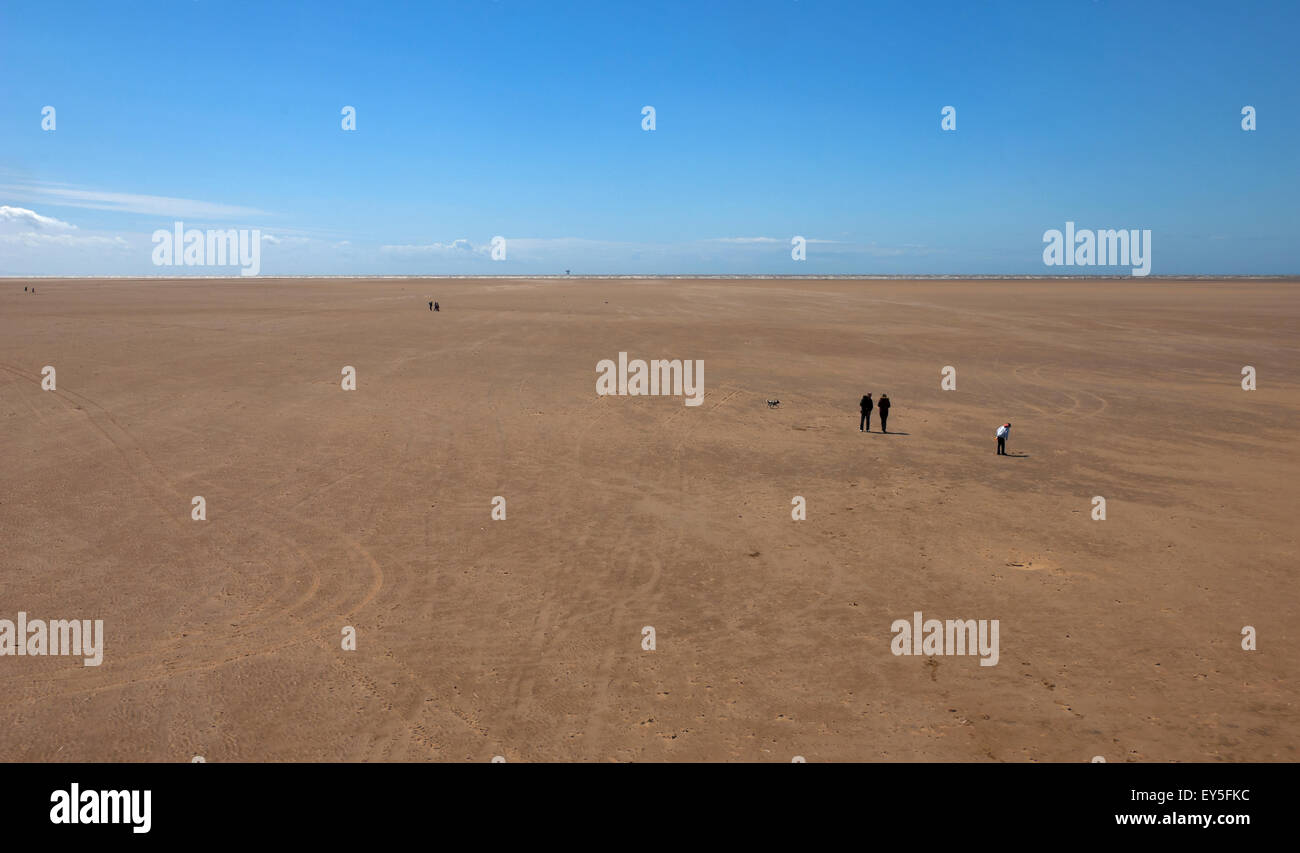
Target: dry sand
column 522, row 638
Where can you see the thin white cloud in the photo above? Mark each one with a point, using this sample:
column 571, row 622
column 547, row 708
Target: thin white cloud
column 39, row 244
column 291, row 240
column 63, row 195
column 765, row 240
column 456, row 247
column 837, row 247
column 36, row 240
column 22, row 228
column 22, row 219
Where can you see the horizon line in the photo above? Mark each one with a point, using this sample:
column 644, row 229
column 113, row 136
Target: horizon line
column 692, row 276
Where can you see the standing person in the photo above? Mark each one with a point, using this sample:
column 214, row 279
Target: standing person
column 431, row 306
column 864, row 425
column 883, row 406
column 1004, row 432
column 435, row 306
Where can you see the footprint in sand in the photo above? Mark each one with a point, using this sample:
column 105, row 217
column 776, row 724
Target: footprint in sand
column 1032, row 563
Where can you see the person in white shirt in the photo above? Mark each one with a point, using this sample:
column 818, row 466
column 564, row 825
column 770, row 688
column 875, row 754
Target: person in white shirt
column 1003, row 432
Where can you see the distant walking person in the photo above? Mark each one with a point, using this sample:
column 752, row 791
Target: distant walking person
column 431, row 306
column 435, row 306
column 883, row 406
column 864, row 425
column 1004, row 432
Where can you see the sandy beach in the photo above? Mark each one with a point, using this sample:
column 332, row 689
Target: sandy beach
column 522, row 637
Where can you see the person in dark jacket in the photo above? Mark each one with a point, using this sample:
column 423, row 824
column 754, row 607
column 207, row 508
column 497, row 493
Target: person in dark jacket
column 883, row 406
column 864, row 425
column 435, row 307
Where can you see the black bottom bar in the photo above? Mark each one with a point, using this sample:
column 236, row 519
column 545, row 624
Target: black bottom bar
column 649, row 803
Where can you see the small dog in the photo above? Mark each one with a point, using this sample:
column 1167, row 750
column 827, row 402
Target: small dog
column 772, row 404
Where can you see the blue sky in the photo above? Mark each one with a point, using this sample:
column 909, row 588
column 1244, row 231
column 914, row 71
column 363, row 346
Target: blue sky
column 773, row 119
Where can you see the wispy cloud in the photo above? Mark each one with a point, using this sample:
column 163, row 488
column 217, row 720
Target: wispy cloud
column 836, row 247
column 455, row 247
column 765, row 240
column 14, row 219
column 35, row 240
column 65, row 195
column 22, row 227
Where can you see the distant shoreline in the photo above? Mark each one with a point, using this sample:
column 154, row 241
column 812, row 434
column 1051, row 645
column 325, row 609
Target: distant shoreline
column 654, row 277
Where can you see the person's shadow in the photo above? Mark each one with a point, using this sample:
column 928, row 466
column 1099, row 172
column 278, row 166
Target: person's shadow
column 895, row 432
column 1018, row 455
